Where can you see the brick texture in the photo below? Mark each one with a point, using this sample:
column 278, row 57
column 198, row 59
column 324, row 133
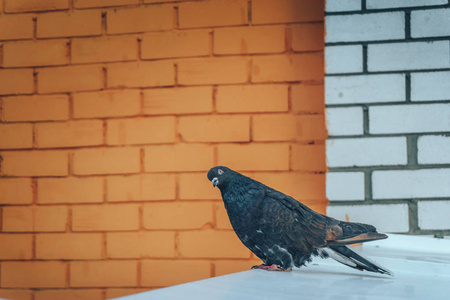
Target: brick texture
column 77, row 23
column 112, row 112
column 387, row 99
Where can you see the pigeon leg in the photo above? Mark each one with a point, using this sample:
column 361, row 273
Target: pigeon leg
column 270, row 267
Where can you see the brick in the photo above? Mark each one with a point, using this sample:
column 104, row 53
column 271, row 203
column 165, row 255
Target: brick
column 185, row 100
column 365, row 89
column 139, row 19
column 366, row 151
column 175, row 44
column 154, row 130
column 211, row 244
column 152, row 244
column 286, row 11
column 69, row 294
column 345, row 186
column 212, row 13
column 433, row 214
column 252, row 98
column 16, row 294
column 103, row 273
column 16, row 27
column 344, row 59
column 365, row 27
column 181, row 271
column 428, row 23
column 280, row 68
column 298, row 185
column 31, row 5
column 16, row 191
column 193, row 186
column 141, row 74
column 102, row 3
column 70, row 79
column 249, row 40
column 106, row 161
column 178, row 158
column 181, row 215
column 433, row 149
column 117, row 217
column 16, row 81
column 69, row 134
column 221, row 217
column 409, row 184
column 224, row 267
column 342, row 5
column 223, row 70
column 386, row 218
column 33, row 274
column 140, row 187
column 104, row 104
column 69, row 190
column 35, row 53
column 309, row 158
column 307, row 37
column 380, row 4
column 257, row 157
column 69, row 246
column 16, row 246
column 408, row 56
column 120, row 292
column 92, row 50
column 35, row 108
column 430, row 86
column 214, row 128
column 287, row 127
column 308, row 98
column 75, row 23
column 345, row 121
column 14, row 136
column 35, row 163
column 409, row 118
column 34, row 218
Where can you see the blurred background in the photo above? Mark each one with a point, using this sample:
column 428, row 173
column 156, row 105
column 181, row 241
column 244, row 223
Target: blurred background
column 112, row 112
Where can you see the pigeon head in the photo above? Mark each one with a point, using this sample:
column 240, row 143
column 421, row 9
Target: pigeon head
column 220, row 176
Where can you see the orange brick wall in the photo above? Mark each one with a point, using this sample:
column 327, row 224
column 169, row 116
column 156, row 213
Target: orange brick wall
column 111, row 113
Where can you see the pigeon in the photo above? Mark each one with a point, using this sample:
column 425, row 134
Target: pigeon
column 283, row 232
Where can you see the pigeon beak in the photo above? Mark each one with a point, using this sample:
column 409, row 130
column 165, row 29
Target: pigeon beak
column 215, row 181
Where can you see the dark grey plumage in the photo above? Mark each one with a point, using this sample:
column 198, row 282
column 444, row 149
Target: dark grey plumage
column 283, row 232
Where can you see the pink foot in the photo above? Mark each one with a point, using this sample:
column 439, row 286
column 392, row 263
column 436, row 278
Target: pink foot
column 269, row 268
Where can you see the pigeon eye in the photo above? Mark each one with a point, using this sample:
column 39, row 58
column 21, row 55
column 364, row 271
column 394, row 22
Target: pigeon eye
column 220, row 171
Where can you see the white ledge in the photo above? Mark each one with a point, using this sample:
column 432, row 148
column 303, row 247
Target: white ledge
column 421, row 266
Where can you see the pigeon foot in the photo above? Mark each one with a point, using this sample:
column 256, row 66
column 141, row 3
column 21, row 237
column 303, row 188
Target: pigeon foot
column 270, row 268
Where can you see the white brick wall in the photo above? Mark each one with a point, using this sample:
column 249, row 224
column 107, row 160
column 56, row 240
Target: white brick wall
column 430, row 86
column 433, row 149
column 409, row 118
column 345, row 121
column 370, row 27
column 345, row 186
column 406, row 184
column 409, row 56
column 387, row 95
column 366, row 151
column 377, row 4
column 434, row 214
column 430, row 23
column 364, row 89
column 386, row 218
column 342, row 5
column 344, row 59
